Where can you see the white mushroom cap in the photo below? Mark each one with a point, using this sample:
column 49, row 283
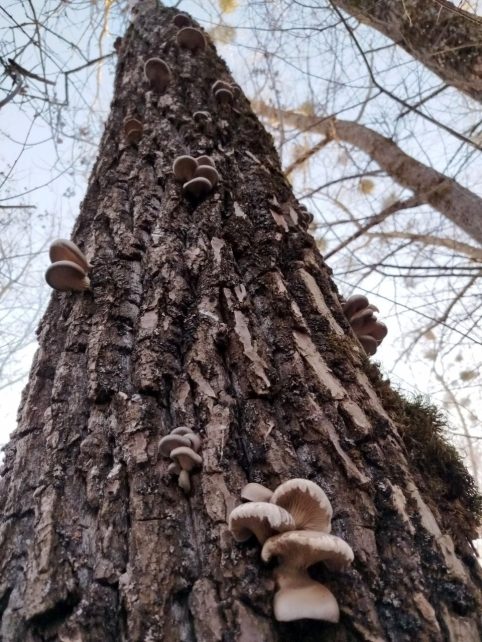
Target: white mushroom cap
column 354, row 304
column 181, row 20
column 184, row 168
column 181, row 430
column 302, row 549
column 206, row 171
column 205, row 160
column 254, row 492
column 186, row 458
column 132, row 130
column 306, row 502
column 67, row 276
column 260, row 519
column 191, row 38
column 300, row 597
column 64, row 250
column 170, row 442
column 195, row 440
column 158, row 73
column 197, row 187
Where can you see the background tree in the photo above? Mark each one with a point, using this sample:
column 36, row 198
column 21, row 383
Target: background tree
column 220, row 315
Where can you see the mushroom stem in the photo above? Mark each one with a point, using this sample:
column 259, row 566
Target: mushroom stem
column 184, row 481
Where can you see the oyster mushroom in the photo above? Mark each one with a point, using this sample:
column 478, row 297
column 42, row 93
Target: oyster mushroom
column 181, row 20
column 184, row 168
column 197, row 187
column 67, row 276
column 157, row 73
column 306, row 503
column 187, row 459
column 298, row 595
column 191, row 38
column 260, row 519
column 254, row 492
column 132, row 130
column 64, row 250
column 209, row 172
column 362, row 318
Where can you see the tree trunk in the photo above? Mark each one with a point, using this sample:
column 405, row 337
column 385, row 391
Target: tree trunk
column 219, row 315
column 438, row 34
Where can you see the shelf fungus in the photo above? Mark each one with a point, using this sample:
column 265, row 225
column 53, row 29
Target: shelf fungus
column 68, row 272
column 198, row 175
column 182, row 445
column 293, row 524
column 361, row 316
column 181, row 20
column 157, row 73
column 191, row 38
column 223, row 92
column 132, row 130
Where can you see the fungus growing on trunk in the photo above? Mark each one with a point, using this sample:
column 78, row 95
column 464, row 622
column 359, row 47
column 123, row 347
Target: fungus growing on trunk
column 361, row 316
column 223, row 92
column 182, row 446
column 302, row 520
column 191, row 38
column 69, row 268
column 181, row 20
column 157, row 73
column 132, row 130
column 198, row 174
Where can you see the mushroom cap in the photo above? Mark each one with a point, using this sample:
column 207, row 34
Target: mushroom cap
column 184, row 168
column 379, row 331
column 66, row 276
column 64, row 250
column 206, row 171
column 168, row 443
column 354, row 303
column 132, row 129
column 205, row 160
column 369, row 344
column 254, row 492
column 181, row 20
column 305, row 599
column 186, row 458
column 180, row 430
column 174, row 468
column 191, row 38
column 201, row 115
column 194, row 440
column 306, row 503
column 260, row 519
column 197, row 187
column 224, row 96
column 302, row 549
column 158, row 73
column 220, row 84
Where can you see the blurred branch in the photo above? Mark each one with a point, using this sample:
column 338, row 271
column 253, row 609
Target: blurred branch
column 427, row 239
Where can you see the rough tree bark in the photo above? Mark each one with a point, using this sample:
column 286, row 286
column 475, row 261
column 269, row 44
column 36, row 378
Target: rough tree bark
column 441, row 36
column 220, row 316
column 454, row 201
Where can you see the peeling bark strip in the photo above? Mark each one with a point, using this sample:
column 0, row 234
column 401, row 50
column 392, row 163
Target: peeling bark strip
column 437, row 33
column 210, row 315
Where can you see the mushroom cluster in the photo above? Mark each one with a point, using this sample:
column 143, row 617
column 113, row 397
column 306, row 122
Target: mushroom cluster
column 223, row 92
column 189, row 38
column 132, row 130
column 182, row 446
column 361, row 316
column 293, row 523
column 69, row 268
column 198, row 175
column 157, row 73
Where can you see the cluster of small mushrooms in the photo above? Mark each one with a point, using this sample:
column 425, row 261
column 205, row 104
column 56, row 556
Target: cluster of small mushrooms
column 361, row 316
column 182, row 445
column 69, row 267
column 198, row 175
column 293, row 523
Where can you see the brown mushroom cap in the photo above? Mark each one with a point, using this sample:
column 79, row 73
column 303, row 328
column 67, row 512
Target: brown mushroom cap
column 206, row 171
column 220, row 84
column 260, row 519
column 67, row 276
column 205, row 160
column 354, row 304
column 170, row 442
column 224, row 96
column 158, row 73
column 197, row 187
column 186, row 458
column 302, row 549
column 64, row 250
column 132, row 130
column 379, row 331
column 369, row 344
column 181, row 430
column 201, row 115
column 191, row 39
column 254, row 492
column 306, row 503
column 181, row 20
column 184, row 168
